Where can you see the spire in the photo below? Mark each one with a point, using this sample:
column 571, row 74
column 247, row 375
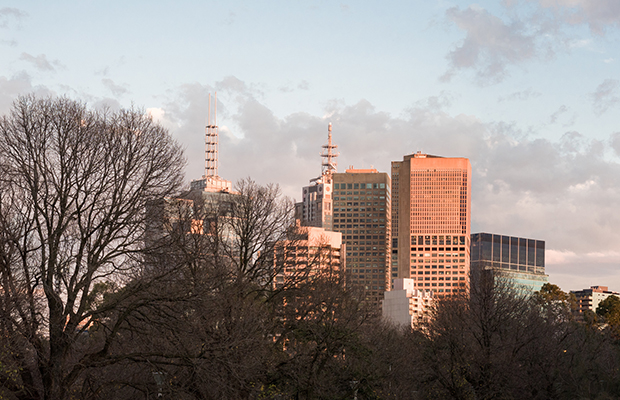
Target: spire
column 211, row 141
column 329, row 165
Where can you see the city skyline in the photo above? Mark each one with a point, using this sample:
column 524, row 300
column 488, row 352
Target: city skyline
column 527, row 90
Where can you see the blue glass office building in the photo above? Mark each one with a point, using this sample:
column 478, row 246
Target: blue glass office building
column 521, row 260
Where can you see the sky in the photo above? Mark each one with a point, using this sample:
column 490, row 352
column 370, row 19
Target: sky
column 528, row 90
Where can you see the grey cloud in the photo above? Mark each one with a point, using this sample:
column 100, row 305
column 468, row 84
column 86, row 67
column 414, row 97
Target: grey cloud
column 614, row 142
column 597, row 14
column 20, row 84
column 554, row 117
column 564, row 192
column 40, row 62
column 435, row 103
column 285, row 89
column 233, row 84
column 303, row 85
column 520, row 96
column 105, row 103
column 490, row 44
column 606, row 96
column 103, row 71
column 571, row 274
column 117, row 90
column 8, row 13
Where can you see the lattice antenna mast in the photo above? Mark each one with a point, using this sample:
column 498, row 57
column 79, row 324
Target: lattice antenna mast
column 211, row 141
column 329, row 165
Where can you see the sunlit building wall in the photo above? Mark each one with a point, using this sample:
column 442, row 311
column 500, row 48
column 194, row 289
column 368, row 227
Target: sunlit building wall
column 362, row 214
column 431, row 207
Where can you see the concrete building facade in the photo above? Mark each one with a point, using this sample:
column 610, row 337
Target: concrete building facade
column 431, row 208
column 361, row 199
column 589, row 299
column 519, row 259
column 315, row 208
column 405, row 305
column 310, row 252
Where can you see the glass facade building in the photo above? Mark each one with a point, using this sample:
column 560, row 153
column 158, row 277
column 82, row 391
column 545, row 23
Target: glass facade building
column 520, row 259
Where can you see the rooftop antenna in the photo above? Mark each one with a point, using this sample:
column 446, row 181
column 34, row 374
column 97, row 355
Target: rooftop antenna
column 329, row 165
column 211, row 141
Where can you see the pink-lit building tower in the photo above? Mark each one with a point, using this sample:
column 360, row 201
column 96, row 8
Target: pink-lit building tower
column 431, row 208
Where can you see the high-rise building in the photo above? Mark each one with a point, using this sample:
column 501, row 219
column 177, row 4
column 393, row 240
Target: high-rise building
column 431, row 204
column 519, row 259
column 355, row 203
column 361, row 199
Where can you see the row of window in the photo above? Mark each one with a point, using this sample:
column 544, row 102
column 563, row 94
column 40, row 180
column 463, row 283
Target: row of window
column 441, row 284
column 361, row 226
column 361, row 194
column 440, row 278
column 359, row 185
column 355, row 198
column 438, row 273
column 437, row 239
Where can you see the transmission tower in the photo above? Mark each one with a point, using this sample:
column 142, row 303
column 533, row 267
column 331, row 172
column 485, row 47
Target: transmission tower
column 329, row 165
column 211, row 141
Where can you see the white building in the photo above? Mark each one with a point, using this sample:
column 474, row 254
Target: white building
column 405, row 305
column 589, row 299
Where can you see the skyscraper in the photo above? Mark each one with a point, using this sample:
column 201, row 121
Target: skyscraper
column 362, row 214
column 431, row 206
column 355, row 203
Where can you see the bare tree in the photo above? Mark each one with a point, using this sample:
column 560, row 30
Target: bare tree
column 75, row 185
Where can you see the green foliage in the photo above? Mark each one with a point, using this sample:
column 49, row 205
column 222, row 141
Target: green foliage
column 609, row 307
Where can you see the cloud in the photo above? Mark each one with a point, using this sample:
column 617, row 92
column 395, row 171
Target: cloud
column 117, row 90
column 568, row 267
column 40, row 62
column 523, row 95
column 490, row 44
column 599, row 15
column 614, row 142
column 303, row 85
column 19, row 84
column 523, row 31
column 562, row 191
column 554, row 117
column 103, row 71
column 8, row 13
column 605, row 96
